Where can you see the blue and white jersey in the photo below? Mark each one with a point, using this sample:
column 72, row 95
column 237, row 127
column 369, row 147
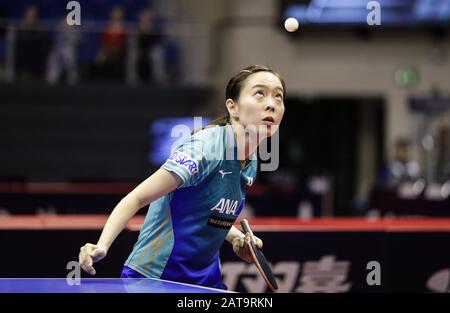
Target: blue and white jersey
column 183, row 231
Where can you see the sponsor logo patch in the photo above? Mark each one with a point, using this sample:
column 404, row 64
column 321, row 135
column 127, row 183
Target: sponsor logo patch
column 221, row 222
column 184, row 160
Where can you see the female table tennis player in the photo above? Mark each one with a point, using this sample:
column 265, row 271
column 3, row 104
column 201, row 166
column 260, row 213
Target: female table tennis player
column 197, row 194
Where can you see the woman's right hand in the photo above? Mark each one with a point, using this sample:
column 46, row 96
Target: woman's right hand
column 89, row 254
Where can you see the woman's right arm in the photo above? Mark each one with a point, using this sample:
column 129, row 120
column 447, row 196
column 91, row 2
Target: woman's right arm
column 154, row 187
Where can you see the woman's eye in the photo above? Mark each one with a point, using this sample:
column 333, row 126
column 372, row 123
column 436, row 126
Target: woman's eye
column 259, row 93
column 279, row 97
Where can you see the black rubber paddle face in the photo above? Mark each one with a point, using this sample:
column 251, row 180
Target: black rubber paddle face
column 263, row 266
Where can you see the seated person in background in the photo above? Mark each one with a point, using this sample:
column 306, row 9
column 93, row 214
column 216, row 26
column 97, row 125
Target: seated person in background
column 31, row 46
column 147, row 41
column 113, row 48
column 63, row 56
column 402, row 169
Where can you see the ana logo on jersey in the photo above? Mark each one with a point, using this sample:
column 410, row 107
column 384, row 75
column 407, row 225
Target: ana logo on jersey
column 228, row 206
column 184, row 160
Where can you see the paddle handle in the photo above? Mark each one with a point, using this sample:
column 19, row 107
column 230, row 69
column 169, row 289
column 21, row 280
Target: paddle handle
column 246, row 227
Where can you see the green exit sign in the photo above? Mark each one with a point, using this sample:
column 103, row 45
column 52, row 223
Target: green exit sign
column 407, row 77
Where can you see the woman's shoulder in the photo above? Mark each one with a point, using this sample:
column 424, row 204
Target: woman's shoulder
column 208, row 132
column 211, row 141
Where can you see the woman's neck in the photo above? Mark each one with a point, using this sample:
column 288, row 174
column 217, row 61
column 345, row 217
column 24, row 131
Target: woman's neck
column 246, row 145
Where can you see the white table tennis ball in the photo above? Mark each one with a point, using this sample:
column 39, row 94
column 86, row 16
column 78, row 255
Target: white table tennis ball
column 291, row 24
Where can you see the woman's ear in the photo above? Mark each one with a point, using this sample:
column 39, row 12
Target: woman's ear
column 232, row 108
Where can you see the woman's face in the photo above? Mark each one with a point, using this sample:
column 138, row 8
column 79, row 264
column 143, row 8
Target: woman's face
column 261, row 103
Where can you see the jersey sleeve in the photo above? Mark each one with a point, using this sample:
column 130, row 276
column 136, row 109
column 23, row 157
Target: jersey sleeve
column 195, row 158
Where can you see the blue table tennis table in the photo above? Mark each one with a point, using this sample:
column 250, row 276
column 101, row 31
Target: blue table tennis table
column 99, row 285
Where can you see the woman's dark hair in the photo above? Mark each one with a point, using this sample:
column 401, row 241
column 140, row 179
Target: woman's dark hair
column 234, row 87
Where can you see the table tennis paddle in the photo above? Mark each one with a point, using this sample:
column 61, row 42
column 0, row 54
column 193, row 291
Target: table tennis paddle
column 259, row 258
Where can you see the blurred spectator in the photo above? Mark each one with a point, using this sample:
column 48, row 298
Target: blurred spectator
column 402, row 168
column 2, row 48
column 147, row 42
column 113, row 48
column 443, row 151
column 153, row 57
column 63, row 55
column 172, row 58
column 31, row 46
